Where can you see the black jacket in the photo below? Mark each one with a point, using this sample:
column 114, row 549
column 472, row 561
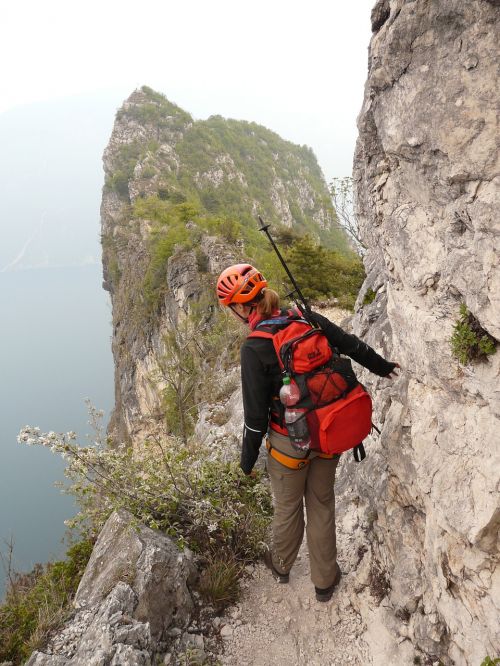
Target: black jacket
column 261, row 380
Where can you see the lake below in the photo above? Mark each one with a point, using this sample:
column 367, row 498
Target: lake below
column 55, row 351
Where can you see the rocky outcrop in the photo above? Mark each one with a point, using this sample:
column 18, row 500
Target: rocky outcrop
column 219, row 167
column 132, row 601
column 427, row 179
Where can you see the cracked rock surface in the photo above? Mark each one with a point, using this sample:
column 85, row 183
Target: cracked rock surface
column 130, row 600
column 427, row 181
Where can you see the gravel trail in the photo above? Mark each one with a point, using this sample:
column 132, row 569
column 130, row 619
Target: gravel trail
column 285, row 625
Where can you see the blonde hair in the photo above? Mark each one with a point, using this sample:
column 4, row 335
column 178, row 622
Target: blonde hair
column 269, row 303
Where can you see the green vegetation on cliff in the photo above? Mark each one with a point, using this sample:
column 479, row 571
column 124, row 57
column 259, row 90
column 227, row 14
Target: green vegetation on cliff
column 322, row 272
column 37, row 603
column 469, row 340
column 253, row 163
column 212, row 177
column 227, row 167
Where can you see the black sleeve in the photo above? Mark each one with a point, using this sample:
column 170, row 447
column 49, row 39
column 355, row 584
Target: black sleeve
column 257, row 388
column 352, row 346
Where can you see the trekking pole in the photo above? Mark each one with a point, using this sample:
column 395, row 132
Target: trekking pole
column 300, row 300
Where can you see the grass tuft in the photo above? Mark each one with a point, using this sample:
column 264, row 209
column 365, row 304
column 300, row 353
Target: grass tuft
column 219, row 582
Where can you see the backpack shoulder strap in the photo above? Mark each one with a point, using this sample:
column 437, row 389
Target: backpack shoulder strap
column 268, row 328
column 261, row 334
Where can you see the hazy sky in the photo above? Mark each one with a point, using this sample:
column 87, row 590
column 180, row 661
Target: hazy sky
column 296, row 67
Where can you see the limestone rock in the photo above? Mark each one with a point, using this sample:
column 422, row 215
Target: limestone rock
column 427, row 186
column 132, row 595
column 40, row 659
column 149, row 562
column 183, row 278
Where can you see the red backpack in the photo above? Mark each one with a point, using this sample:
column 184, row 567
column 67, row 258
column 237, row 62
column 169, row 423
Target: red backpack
column 337, row 407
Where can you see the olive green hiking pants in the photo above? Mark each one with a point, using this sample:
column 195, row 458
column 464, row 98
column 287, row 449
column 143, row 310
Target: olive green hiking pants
column 313, row 484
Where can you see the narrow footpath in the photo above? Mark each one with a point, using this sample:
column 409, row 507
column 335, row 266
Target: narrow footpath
column 285, row 625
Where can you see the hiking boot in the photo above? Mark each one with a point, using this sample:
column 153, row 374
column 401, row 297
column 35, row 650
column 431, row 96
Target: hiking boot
column 268, row 561
column 325, row 594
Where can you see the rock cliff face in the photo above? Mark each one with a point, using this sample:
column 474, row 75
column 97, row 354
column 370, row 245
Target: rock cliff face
column 132, row 602
column 427, row 180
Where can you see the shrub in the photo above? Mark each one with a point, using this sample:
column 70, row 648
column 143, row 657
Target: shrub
column 192, row 656
column 210, row 201
column 177, row 403
column 205, row 503
column 118, row 182
column 179, row 372
column 341, row 192
column 186, row 212
column 286, row 236
column 153, row 208
column 469, row 340
column 177, row 197
column 369, row 296
column 202, row 260
column 186, row 492
column 37, row 603
column 230, row 230
column 148, row 172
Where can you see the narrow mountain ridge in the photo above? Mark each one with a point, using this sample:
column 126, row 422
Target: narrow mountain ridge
column 179, row 203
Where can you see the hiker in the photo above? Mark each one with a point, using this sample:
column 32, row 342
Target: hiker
column 294, row 476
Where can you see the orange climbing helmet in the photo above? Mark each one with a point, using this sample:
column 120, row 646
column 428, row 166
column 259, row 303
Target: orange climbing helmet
column 240, row 283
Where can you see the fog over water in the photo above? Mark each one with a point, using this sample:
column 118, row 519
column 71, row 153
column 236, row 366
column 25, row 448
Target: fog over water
column 55, row 351
column 55, row 318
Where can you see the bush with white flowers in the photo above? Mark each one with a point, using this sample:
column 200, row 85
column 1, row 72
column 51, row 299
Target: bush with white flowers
column 206, row 504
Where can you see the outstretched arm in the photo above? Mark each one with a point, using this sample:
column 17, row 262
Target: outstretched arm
column 352, row 346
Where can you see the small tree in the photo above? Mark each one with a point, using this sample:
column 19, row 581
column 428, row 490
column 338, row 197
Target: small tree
column 341, row 191
column 308, row 263
column 323, row 273
column 287, row 236
column 179, row 369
